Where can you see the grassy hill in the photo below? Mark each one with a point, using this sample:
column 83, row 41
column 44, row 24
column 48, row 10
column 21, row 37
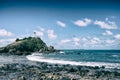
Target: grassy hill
column 27, row 46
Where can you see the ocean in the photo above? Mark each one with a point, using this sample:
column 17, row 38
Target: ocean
column 106, row 58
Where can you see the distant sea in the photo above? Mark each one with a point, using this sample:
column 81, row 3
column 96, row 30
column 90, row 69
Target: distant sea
column 106, row 58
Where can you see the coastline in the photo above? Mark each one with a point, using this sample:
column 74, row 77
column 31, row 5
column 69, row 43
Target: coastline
column 33, row 70
column 40, row 58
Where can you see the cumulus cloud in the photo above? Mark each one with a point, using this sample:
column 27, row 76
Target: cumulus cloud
column 65, row 41
column 51, row 34
column 84, row 39
column 4, row 32
column 95, row 40
column 60, row 23
column 39, row 33
column 83, row 23
column 91, row 42
column 76, row 41
column 4, row 42
column 106, row 25
column 110, row 41
column 117, row 36
column 107, row 33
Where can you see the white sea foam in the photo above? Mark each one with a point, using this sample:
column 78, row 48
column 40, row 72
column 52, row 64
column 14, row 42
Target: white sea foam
column 61, row 52
column 36, row 54
column 56, row 61
column 116, row 56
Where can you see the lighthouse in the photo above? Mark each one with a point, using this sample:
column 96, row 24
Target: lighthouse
column 35, row 34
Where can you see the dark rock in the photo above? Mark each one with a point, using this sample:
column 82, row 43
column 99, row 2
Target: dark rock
column 22, row 78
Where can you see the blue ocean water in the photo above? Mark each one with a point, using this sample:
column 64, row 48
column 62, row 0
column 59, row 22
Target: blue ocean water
column 107, row 58
column 111, row 56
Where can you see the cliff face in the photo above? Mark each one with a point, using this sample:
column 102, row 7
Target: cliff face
column 27, row 46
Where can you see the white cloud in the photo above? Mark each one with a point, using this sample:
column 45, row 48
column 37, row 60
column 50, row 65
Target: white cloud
column 39, row 33
column 106, row 25
column 51, row 34
column 95, row 40
column 110, row 41
column 90, row 43
column 117, row 36
column 60, row 23
column 4, row 32
column 84, row 39
column 76, row 41
column 83, row 23
column 107, row 33
column 4, row 42
column 65, row 41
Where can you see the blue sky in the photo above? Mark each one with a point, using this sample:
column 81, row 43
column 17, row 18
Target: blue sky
column 65, row 24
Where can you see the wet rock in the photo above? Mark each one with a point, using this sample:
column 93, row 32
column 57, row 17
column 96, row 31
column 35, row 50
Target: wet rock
column 44, row 71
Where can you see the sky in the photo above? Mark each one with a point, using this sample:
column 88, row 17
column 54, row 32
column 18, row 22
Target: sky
column 64, row 24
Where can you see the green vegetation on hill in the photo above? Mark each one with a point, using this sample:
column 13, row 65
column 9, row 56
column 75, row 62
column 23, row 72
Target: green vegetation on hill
column 26, row 46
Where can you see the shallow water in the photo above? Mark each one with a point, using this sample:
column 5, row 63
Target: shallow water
column 107, row 58
column 5, row 59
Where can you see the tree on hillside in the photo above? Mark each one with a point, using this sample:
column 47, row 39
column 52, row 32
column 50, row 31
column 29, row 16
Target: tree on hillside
column 17, row 39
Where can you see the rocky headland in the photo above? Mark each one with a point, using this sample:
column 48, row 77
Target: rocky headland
column 27, row 46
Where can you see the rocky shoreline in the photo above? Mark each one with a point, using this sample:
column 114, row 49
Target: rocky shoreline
column 45, row 71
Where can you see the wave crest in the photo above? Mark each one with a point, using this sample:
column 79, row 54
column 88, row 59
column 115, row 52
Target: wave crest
column 39, row 58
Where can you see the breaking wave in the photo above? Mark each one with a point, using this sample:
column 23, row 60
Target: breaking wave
column 39, row 58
